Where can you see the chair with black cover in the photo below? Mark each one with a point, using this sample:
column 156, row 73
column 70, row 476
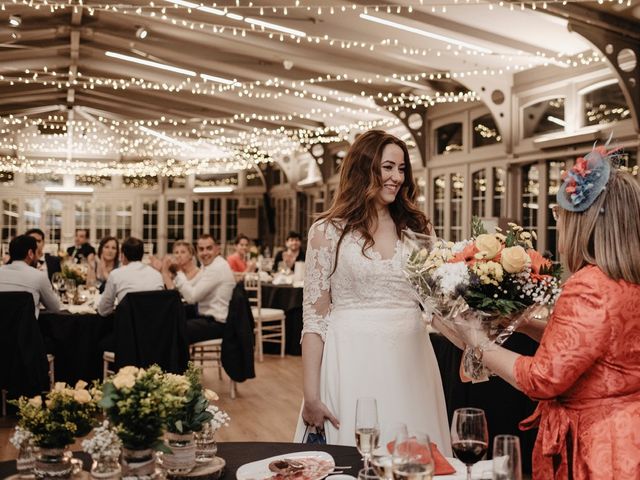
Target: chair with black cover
column 235, row 351
column 26, row 367
column 149, row 327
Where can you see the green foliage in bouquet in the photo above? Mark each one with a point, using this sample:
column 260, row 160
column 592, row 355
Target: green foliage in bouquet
column 138, row 403
column 73, row 273
column 66, row 413
column 193, row 413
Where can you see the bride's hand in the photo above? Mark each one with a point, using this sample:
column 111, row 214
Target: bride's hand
column 315, row 412
column 448, row 332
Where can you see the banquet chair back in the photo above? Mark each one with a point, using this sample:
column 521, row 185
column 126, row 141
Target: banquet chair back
column 150, row 328
column 26, row 368
column 270, row 322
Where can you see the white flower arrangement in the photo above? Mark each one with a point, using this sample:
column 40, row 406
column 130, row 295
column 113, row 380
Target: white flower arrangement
column 20, row 437
column 451, row 276
column 220, row 418
column 104, row 443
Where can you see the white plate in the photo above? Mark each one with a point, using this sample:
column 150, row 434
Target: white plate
column 259, row 470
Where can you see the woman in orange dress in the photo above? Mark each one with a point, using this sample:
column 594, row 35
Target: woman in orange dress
column 586, row 372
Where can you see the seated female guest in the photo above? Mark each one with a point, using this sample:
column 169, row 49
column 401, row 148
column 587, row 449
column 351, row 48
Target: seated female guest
column 586, row 372
column 108, row 259
column 182, row 260
column 237, row 260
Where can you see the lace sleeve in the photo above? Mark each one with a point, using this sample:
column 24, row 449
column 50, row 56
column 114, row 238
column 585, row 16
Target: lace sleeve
column 318, row 266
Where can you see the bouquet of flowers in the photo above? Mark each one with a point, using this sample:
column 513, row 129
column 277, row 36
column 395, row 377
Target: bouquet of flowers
column 66, row 413
column 490, row 280
column 138, row 403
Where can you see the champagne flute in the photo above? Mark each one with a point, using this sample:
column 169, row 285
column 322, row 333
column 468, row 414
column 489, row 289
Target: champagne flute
column 413, row 457
column 367, row 428
column 469, row 436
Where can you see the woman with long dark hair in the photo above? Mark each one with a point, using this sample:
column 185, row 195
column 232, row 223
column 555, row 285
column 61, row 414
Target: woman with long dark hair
column 363, row 334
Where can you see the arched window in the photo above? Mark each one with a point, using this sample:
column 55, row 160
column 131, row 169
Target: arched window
column 605, row 104
column 485, row 131
column 543, row 117
column 449, row 138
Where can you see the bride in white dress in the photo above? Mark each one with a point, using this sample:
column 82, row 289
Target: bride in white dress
column 363, row 334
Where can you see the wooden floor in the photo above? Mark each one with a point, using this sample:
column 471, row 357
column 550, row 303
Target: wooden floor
column 266, row 408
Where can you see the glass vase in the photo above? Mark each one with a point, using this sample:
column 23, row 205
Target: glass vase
column 138, row 462
column 182, row 458
column 206, row 446
column 105, row 467
column 52, row 463
column 26, row 459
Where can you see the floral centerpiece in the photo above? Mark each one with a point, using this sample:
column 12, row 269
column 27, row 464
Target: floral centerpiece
column 65, row 413
column 138, row 403
column 206, row 445
column 184, row 421
column 104, row 447
column 75, row 272
column 22, row 440
column 491, row 280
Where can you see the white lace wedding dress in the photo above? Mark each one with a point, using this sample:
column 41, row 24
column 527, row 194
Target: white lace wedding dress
column 376, row 344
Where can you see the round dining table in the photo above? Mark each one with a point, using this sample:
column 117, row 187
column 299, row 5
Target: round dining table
column 237, row 454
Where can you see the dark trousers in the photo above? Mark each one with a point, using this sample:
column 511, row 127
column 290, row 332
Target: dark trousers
column 204, row 328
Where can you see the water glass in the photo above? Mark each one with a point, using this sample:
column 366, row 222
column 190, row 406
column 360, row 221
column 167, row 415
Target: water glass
column 412, row 457
column 367, row 428
column 507, row 462
column 382, row 463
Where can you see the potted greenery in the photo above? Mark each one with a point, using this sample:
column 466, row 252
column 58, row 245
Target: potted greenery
column 138, row 402
column 65, row 413
column 186, row 420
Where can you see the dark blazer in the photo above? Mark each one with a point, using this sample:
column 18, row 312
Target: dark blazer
column 83, row 251
column 238, row 340
column 278, row 259
column 23, row 356
column 53, row 264
column 150, row 327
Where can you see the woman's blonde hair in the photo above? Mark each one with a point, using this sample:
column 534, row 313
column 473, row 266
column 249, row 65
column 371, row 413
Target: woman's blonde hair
column 607, row 234
column 187, row 245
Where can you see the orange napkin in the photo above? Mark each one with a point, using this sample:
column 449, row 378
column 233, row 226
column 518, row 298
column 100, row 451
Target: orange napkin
column 442, row 466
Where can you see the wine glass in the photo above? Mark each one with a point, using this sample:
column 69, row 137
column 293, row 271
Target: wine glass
column 57, row 282
column 70, row 289
column 367, row 428
column 469, row 436
column 413, row 457
column 507, row 462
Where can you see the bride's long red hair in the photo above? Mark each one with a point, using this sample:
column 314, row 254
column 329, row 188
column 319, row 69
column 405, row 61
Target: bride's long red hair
column 354, row 205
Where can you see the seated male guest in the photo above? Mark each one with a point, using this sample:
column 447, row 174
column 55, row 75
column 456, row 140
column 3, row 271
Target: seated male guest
column 21, row 276
column 292, row 254
column 49, row 264
column 81, row 248
column 211, row 289
column 132, row 276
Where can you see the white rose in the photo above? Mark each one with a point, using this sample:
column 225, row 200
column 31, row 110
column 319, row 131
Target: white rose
column 82, row 396
column 489, row 245
column 125, row 380
column 514, row 259
column 36, row 401
column 80, row 384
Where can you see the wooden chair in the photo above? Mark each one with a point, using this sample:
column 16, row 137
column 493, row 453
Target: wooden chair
column 210, row 351
column 270, row 322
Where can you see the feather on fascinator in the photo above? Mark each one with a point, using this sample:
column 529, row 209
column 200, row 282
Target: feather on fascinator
column 587, row 179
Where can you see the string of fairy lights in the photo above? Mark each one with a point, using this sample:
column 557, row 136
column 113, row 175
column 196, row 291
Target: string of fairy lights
column 178, row 146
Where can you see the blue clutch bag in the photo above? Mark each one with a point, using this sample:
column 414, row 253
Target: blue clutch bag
column 314, row 436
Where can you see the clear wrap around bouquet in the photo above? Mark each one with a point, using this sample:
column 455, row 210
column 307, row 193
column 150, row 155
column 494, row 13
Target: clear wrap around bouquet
column 491, row 282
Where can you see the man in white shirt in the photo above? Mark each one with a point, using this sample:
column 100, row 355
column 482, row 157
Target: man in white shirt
column 211, row 289
column 132, row 276
column 21, row 275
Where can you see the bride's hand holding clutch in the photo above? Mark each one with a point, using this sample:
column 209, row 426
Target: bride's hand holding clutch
column 315, row 413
